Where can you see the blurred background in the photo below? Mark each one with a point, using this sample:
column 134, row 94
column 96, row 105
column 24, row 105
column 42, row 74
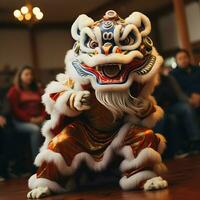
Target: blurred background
column 44, row 44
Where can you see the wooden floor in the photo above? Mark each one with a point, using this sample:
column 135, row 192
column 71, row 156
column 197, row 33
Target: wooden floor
column 183, row 178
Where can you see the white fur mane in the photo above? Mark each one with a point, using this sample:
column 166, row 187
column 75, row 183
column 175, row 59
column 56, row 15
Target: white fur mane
column 122, row 102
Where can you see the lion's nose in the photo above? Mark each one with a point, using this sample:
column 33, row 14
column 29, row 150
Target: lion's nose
column 106, row 48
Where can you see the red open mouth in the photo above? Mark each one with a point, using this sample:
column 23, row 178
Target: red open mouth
column 114, row 73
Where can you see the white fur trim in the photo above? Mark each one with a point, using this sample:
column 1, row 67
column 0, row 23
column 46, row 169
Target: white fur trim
column 149, row 88
column 71, row 71
column 152, row 119
column 35, row 182
column 62, row 107
column 48, row 102
column 60, row 103
column 52, row 87
column 134, row 181
column 62, row 78
column 57, row 108
column 126, row 152
column 50, row 156
column 118, row 141
column 46, row 132
column 47, row 126
column 147, row 157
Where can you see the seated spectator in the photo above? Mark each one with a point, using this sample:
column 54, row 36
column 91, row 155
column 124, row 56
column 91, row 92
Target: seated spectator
column 6, row 147
column 25, row 101
column 188, row 77
column 179, row 124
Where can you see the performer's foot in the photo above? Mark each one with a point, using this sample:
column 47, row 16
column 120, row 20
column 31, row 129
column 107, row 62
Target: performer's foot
column 155, row 183
column 39, row 192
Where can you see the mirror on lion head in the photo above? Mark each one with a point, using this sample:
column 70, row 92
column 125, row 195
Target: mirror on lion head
column 113, row 53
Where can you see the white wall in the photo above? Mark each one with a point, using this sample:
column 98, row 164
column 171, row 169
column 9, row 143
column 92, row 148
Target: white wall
column 193, row 20
column 168, row 30
column 51, row 45
column 14, row 47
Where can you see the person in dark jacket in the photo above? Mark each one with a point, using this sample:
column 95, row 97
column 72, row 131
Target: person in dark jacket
column 179, row 121
column 188, row 77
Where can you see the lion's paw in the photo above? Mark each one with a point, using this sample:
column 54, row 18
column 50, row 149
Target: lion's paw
column 39, row 192
column 81, row 100
column 155, row 183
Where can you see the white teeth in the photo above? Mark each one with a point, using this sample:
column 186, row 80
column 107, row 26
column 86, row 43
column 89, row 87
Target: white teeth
column 100, row 66
column 149, row 65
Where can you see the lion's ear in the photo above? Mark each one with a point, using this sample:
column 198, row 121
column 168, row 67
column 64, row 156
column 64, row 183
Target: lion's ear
column 81, row 22
column 141, row 21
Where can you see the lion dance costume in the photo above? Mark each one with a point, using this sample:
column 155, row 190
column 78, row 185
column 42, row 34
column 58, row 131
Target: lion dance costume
column 102, row 106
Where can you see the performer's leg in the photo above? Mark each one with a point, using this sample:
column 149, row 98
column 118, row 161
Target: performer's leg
column 143, row 164
column 54, row 166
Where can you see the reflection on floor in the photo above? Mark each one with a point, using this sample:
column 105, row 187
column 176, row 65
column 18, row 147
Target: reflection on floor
column 183, row 178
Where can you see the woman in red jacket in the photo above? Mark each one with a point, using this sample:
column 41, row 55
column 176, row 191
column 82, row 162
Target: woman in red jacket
column 25, row 102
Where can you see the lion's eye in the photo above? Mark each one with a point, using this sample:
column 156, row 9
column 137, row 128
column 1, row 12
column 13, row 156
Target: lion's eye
column 92, row 44
column 128, row 41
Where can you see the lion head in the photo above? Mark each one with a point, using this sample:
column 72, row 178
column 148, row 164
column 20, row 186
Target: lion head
column 113, row 53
